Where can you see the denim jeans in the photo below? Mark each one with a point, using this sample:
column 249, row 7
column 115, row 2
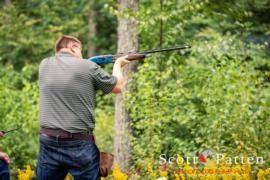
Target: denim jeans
column 56, row 158
column 4, row 171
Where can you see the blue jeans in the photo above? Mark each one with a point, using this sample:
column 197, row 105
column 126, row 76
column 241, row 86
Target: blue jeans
column 4, row 171
column 56, row 158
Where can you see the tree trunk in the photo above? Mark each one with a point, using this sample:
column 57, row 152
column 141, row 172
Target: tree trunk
column 92, row 32
column 127, row 41
column 7, row 2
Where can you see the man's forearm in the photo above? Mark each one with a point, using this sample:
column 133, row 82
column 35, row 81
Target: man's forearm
column 117, row 72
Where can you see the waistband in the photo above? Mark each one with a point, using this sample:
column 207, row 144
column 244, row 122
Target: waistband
column 62, row 135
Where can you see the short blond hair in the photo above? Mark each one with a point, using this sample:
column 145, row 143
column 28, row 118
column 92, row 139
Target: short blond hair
column 63, row 42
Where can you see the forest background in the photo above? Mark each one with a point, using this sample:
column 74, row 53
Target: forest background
column 214, row 96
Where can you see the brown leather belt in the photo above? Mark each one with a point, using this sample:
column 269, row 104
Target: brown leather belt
column 62, row 135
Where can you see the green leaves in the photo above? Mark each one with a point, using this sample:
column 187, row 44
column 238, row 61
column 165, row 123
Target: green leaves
column 19, row 107
column 213, row 97
column 212, row 102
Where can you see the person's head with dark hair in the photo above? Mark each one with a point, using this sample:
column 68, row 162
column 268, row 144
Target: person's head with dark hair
column 69, row 44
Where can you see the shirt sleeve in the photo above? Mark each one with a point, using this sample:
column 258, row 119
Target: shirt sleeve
column 103, row 80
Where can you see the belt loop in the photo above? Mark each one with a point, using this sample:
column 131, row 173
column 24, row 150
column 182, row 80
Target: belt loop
column 57, row 139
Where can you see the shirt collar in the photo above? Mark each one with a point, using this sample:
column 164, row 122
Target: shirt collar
column 65, row 54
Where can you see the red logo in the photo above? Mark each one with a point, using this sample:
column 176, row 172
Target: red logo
column 207, row 157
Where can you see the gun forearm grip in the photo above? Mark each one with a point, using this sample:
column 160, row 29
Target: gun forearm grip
column 132, row 57
column 103, row 59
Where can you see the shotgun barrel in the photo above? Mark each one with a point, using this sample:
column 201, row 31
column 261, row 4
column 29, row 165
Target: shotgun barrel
column 105, row 59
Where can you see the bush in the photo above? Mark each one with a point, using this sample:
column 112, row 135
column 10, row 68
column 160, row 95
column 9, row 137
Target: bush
column 19, row 107
column 216, row 98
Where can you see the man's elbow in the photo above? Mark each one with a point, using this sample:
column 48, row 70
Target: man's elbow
column 119, row 86
column 117, row 89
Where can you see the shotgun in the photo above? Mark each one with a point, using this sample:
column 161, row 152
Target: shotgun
column 105, row 59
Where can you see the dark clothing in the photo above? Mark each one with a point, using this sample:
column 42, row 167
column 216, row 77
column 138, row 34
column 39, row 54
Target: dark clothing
column 57, row 158
column 4, row 171
column 68, row 88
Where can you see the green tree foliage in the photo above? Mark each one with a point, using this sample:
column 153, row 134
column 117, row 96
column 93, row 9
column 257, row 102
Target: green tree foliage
column 216, row 96
column 105, row 40
column 19, row 107
column 29, row 29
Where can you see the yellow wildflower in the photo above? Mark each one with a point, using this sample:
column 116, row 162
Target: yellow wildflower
column 150, row 170
column 163, row 173
column 117, row 174
column 68, row 177
column 28, row 174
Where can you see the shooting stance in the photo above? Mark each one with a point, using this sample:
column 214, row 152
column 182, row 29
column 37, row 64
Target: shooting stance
column 68, row 86
column 4, row 161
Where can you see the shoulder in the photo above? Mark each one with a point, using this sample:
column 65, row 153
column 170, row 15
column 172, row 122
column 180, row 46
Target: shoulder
column 85, row 66
column 42, row 62
column 91, row 65
column 95, row 69
column 92, row 68
column 45, row 60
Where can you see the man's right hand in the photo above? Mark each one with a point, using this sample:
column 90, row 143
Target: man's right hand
column 117, row 72
column 122, row 60
column 4, row 156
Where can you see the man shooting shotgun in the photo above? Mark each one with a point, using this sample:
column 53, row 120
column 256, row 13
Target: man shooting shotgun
column 104, row 59
column 68, row 85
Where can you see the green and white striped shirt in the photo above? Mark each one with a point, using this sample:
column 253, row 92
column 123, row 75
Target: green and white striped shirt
column 68, row 88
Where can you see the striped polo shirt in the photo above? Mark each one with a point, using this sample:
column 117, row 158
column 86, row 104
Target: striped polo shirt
column 68, row 87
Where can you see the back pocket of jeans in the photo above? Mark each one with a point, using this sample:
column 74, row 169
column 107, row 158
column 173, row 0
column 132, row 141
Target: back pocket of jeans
column 85, row 155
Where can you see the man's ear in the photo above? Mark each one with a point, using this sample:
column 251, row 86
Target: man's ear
column 72, row 50
column 70, row 46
